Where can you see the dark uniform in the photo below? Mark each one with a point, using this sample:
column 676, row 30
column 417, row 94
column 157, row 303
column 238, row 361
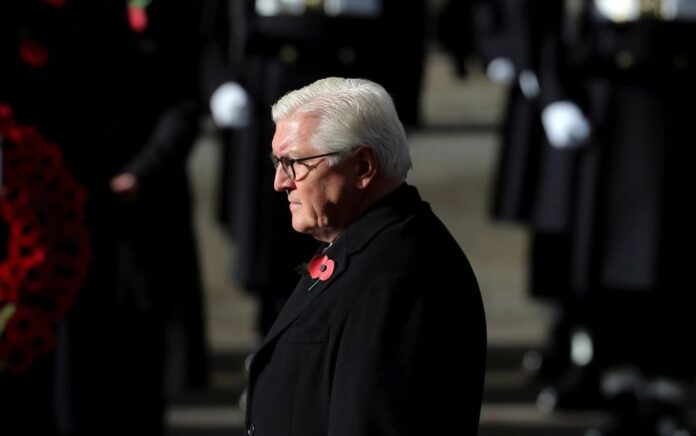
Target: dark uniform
column 631, row 70
column 455, row 32
column 531, row 178
column 271, row 48
column 118, row 96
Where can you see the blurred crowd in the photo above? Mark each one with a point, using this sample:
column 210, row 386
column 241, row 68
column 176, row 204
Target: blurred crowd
column 595, row 147
column 595, row 150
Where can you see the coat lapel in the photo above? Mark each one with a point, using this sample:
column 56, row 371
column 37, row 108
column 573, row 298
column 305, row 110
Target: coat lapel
column 306, row 291
column 392, row 208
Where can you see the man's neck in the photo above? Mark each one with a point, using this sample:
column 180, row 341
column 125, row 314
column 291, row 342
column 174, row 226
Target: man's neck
column 372, row 194
column 377, row 190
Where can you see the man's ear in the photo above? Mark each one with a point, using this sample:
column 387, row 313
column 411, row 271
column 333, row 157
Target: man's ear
column 367, row 166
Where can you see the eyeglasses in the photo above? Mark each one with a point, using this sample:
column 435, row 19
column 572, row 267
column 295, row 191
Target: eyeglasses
column 289, row 164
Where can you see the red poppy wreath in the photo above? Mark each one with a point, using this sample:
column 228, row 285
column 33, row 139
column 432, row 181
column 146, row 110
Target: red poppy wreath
column 46, row 245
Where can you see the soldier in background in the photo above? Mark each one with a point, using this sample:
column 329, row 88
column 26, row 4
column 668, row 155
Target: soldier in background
column 531, row 188
column 455, row 32
column 626, row 70
column 257, row 51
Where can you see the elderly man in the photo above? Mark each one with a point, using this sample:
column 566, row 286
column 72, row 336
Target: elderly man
column 385, row 334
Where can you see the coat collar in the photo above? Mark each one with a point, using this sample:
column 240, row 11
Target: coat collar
column 396, row 205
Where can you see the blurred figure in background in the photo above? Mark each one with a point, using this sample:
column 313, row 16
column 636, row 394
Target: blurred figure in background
column 617, row 91
column 258, row 50
column 531, row 188
column 114, row 84
column 455, row 33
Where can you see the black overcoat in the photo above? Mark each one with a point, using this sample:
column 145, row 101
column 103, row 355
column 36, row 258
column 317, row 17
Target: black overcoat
column 531, row 178
column 371, row 349
column 634, row 81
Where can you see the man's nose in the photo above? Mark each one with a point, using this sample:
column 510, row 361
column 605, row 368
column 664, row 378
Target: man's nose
column 282, row 182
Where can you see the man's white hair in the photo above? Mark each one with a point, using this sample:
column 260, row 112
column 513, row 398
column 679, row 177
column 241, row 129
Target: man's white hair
column 351, row 112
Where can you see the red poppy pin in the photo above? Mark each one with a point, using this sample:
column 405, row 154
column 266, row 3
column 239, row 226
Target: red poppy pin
column 321, row 267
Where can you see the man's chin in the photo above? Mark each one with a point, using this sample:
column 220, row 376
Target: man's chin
column 300, row 227
column 307, row 230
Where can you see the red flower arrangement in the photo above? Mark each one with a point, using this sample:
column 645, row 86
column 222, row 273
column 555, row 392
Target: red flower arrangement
column 48, row 248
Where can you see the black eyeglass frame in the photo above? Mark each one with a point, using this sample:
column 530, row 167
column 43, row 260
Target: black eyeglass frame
column 286, row 162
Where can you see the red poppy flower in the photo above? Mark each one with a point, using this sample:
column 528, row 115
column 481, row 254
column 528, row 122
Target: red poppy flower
column 137, row 18
column 58, row 4
column 33, row 53
column 321, row 267
column 6, row 117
